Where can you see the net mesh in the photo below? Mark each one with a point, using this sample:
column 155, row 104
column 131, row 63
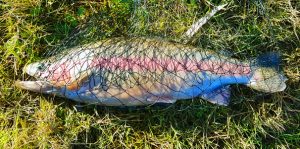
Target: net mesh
column 87, row 67
column 141, row 71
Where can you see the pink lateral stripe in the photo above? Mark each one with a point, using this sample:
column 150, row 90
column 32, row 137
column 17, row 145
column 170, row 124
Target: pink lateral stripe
column 173, row 65
column 62, row 71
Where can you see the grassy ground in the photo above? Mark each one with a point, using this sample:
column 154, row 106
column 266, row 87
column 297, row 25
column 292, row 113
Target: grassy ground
column 246, row 28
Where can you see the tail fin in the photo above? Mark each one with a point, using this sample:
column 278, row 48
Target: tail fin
column 270, row 59
column 266, row 75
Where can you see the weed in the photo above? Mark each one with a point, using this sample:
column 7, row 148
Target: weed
column 246, row 29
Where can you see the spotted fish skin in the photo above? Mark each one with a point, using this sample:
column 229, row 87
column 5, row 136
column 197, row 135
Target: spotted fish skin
column 140, row 71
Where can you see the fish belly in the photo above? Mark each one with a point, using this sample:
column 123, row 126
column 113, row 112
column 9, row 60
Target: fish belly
column 164, row 88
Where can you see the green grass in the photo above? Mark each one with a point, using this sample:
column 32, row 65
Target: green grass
column 31, row 28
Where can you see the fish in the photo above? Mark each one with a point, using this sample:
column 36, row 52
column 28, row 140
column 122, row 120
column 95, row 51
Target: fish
column 141, row 71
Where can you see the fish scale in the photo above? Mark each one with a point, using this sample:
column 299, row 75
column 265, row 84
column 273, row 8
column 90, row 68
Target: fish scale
column 141, row 71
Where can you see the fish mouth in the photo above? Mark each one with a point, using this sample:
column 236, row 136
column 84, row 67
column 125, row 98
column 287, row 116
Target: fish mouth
column 36, row 86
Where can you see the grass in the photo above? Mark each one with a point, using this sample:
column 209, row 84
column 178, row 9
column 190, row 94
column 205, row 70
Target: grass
column 31, row 28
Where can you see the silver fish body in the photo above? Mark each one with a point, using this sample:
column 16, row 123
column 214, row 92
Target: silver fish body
column 140, row 71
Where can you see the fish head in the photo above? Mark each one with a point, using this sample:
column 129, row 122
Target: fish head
column 38, row 70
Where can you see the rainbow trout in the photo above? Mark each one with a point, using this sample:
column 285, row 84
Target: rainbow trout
column 139, row 71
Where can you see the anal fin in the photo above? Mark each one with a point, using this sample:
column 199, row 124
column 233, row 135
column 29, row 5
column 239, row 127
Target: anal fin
column 219, row 96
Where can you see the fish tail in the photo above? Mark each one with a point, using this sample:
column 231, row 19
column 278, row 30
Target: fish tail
column 266, row 75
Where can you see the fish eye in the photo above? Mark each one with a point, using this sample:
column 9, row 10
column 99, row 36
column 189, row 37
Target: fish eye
column 41, row 66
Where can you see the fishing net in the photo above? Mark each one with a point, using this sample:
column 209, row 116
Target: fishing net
column 89, row 67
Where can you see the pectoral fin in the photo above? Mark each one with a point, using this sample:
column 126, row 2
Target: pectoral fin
column 75, row 83
column 220, row 96
column 78, row 81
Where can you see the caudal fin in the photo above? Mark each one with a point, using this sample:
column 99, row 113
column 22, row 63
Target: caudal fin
column 266, row 75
